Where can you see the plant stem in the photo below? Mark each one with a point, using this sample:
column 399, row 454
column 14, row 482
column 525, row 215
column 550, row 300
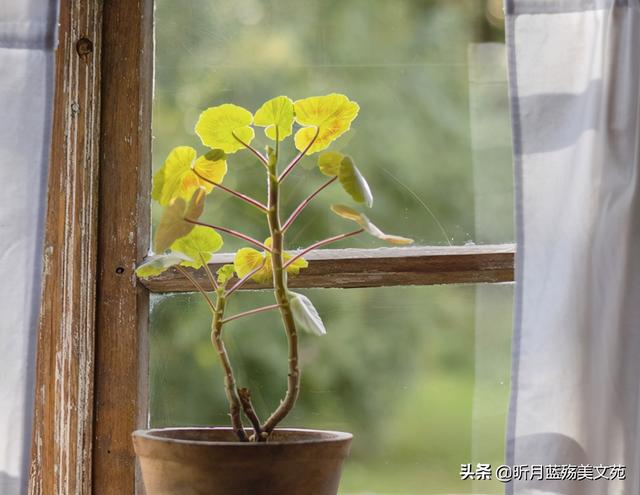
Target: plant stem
column 230, row 386
column 250, row 312
column 212, row 279
column 197, row 286
column 324, row 242
column 295, row 161
column 250, row 413
column 239, row 195
column 244, row 279
column 216, row 339
column 260, row 156
column 280, row 290
column 302, row 205
column 232, row 232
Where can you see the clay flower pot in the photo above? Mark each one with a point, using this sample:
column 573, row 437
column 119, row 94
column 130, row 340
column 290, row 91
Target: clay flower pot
column 199, row 461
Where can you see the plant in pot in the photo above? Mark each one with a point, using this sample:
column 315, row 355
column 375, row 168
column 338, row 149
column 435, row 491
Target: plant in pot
column 257, row 458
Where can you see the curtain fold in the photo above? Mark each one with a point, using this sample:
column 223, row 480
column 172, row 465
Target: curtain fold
column 27, row 30
column 574, row 77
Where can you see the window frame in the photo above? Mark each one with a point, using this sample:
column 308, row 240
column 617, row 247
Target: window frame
column 92, row 348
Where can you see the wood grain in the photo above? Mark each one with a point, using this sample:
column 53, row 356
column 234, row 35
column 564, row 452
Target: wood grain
column 350, row 268
column 122, row 304
column 63, row 409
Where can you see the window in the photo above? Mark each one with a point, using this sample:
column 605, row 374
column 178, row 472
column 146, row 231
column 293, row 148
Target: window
column 432, row 72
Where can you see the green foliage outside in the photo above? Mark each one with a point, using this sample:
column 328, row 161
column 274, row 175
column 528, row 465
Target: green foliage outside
column 398, row 365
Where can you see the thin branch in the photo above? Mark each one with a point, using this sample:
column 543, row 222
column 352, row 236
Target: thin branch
column 250, row 312
column 244, row 279
column 252, row 149
column 295, row 161
column 230, row 387
column 232, row 232
column 324, row 242
column 197, row 286
column 250, row 413
column 302, row 205
column 239, row 195
column 212, row 279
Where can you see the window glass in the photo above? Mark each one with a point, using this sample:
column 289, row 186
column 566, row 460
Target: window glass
column 432, row 136
column 420, row 375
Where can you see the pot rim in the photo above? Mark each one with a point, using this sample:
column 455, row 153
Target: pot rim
column 323, row 436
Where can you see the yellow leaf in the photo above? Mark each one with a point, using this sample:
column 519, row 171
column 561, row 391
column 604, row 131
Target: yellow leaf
column 198, row 245
column 362, row 220
column 212, row 170
column 217, row 127
column 329, row 163
column 329, row 116
column 246, row 260
column 276, row 112
column 176, row 178
column 172, row 225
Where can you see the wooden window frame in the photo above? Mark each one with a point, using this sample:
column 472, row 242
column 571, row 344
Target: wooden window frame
column 92, row 367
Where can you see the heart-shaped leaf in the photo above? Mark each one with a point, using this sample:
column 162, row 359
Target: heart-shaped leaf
column 198, row 245
column 177, row 178
column 277, row 112
column 223, row 126
column 329, row 116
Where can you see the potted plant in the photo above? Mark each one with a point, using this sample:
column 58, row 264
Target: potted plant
column 260, row 458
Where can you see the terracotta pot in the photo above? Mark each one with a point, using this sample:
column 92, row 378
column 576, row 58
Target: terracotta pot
column 199, row 461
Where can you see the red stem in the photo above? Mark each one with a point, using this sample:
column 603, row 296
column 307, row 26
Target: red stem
column 252, row 149
column 250, row 312
column 244, row 280
column 322, row 243
column 232, row 232
column 237, row 194
column 302, row 205
column 295, row 161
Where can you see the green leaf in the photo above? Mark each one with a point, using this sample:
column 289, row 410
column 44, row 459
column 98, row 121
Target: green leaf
column 354, row 183
column 197, row 245
column 276, row 112
column 219, row 126
column 329, row 163
column 225, row 273
column 305, row 314
column 155, row 265
column 362, row 220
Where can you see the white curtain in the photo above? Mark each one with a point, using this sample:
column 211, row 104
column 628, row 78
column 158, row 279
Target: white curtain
column 574, row 69
column 27, row 30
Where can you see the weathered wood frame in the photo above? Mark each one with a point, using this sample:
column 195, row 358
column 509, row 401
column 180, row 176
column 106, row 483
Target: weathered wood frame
column 351, row 268
column 91, row 377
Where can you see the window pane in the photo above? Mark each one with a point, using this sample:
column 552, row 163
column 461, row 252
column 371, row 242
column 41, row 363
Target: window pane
column 433, row 133
column 420, row 375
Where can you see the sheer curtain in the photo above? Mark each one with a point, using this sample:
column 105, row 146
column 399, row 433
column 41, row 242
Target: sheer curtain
column 27, row 30
column 574, row 80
